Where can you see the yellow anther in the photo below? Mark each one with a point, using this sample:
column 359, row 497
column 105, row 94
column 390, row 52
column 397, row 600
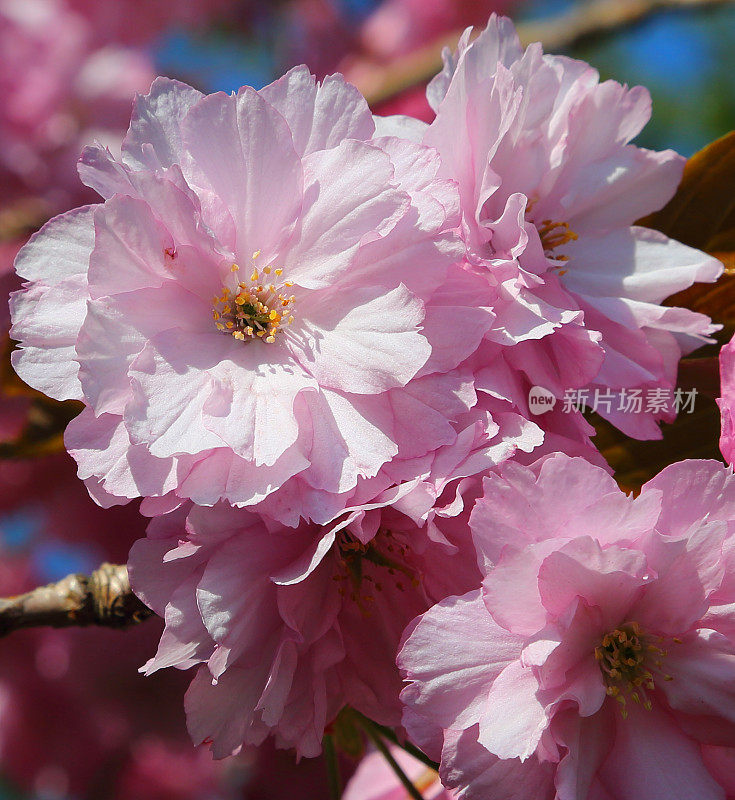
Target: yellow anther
column 248, row 312
column 625, row 656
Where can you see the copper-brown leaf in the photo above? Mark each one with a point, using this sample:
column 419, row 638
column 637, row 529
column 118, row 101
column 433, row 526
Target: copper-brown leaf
column 42, row 432
column 701, row 214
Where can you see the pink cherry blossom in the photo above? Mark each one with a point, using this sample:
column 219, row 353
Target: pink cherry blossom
column 727, row 390
column 550, row 189
column 597, row 660
column 268, row 294
column 290, row 624
column 374, row 779
column 61, row 90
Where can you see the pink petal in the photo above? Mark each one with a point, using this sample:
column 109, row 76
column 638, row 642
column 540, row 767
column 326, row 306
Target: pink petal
column 364, row 340
column 243, row 148
column 348, row 197
column 702, row 667
column 477, row 774
column 154, row 139
column 47, row 317
column 651, row 751
column 320, row 115
column 514, row 717
column 449, row 683
column 609, row 579
column 637, row 263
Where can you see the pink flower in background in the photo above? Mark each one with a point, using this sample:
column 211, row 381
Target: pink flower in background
column 141, row 21
column 598, row 656
column 395, row 30
column 397, row 27
column 374, row 779
column 263, row 295
column 727, row 390
column 550, row 189
column 60, row 90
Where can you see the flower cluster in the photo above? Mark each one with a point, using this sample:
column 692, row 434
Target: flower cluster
column 305, row 336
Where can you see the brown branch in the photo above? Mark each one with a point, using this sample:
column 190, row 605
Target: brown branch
column 103, row 598
column 584, row 22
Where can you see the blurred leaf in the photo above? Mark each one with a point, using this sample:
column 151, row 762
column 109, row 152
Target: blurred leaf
column 43, row 433
column 347, row 734
column 702, row 214
column 46, row 419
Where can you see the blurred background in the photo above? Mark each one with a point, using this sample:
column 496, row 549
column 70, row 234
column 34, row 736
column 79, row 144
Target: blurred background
column 77, row 722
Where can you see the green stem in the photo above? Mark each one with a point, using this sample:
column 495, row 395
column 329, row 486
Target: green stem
column 411, row 749
column 333, row 776
column 371, row 730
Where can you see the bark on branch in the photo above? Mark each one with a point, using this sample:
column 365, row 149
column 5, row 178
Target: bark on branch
column 102, row 598
column 584, row 22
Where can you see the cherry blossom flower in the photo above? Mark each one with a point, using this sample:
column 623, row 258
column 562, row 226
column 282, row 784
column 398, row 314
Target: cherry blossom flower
column 550, row 190
column 265, row 295
column 598, row 656
column 290, row 624
column 727, row 381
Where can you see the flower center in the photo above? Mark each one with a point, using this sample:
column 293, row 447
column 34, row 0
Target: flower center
column 254, row 309
column 361, row 569
column 553, row 235
column 627, row 657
